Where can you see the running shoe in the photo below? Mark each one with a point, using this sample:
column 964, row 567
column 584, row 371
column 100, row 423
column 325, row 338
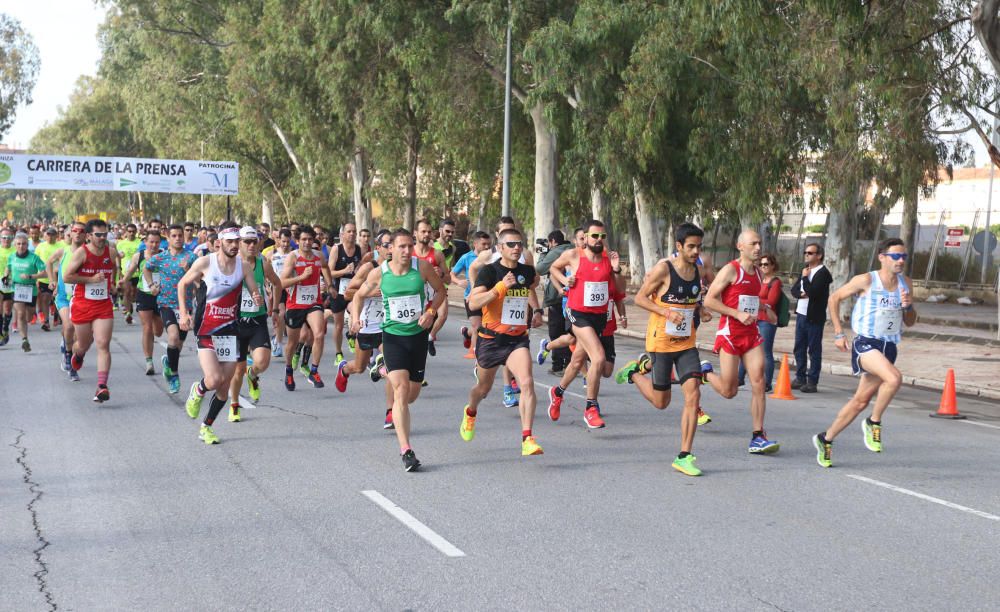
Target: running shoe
column 149, row 368
column 338, row 359
column 686, row 466
column 206, row 435
column 4, row 339
column 645, row 363
column 34, row 320
column 592, row 416
column 278, row 351
column 174, row 384
column 352, row 343
column 431, row 349
column 341, row 381
column 760, row 445
column 424, row 383
column 289, row 381
column 128, row 319
column 165, row 368
column 468, row 427
column 555, row 403
column 62, row 346
column 193, row 404
column 45, row 326
column 624, row 375
column 295, row 361
column 466, row 338
column 388, row 420
column 253, row 386
column 706, row 369
column 25, row 346
column 514, row 386
column 509, row 397
column 64, row 363
column 234, row 414
column 703, row 418
column 304, row 369
column 315, row 380
column 73, row 375
column 529, row 446
column 76, row 362
column 824, row 451
column 374, row 375
column 410, row 461
column 543, row 352
column 873, row 435
column 102, row 394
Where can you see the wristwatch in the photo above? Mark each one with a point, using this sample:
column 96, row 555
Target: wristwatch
column 538, row 311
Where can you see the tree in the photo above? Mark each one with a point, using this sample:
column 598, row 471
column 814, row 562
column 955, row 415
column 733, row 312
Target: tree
column 19, row 65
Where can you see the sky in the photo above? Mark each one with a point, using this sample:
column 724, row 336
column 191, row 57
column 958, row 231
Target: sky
column 65, row 32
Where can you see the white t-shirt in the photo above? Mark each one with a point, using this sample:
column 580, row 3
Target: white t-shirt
column 802, row 306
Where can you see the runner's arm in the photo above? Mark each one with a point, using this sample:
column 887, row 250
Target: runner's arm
column 368, row 287
column 853, row 287
column 440, row 291
column 486, row 289
column 559, row 265
column 713, row 299
column 287, row 280
column 192, row 277
column 654, row 279
column 359, row 278
column 75, row 261
column 909, row 313
column 50, row 265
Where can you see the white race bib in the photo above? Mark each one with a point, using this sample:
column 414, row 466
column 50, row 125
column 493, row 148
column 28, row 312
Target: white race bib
column 430, row 292
column 372, row 314
column 23, row 293
column 306, row 294
column 595, row 294
column 225, row 348
column 888, row 321
column 70, row 290
column 515, row 311
column 5, row 285
column 344, row 282
column 246, row 301
column 750, row 304
column 404, row 309
column 96, row 291
column 156, row 277
column 684, row 328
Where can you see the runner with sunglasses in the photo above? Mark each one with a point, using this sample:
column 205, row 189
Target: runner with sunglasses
column 76, row 236
column 596, row 278
column 883, row 307
column 505, row 291
column 92, row 270
column 300, row 277
column 162, row 274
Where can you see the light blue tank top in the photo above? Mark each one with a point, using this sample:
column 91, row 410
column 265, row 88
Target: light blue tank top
column 878, row 313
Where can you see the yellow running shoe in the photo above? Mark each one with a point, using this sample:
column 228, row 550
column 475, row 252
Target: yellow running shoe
column 686, row 466
column 530, row 447
column 703, row 418
column 468, row 428
column 234, row 414
column 207, row 435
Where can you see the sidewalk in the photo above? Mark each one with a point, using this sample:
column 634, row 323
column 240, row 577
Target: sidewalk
column 926, row 353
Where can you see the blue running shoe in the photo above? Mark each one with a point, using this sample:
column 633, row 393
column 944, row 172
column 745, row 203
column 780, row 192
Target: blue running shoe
column 174, row 384
column 543, row 352
column 510, row 399
column 165, row 369
column 760, row 445
column 706, row 368
column 73, row 376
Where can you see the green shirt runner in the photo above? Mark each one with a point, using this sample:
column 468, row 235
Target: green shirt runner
column 403, row 300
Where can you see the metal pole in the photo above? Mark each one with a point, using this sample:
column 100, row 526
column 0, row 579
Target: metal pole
column 229, row 210
column 505, row 201
column 989, row 205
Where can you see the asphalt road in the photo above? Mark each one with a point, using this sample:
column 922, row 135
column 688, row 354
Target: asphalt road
column 120, row 506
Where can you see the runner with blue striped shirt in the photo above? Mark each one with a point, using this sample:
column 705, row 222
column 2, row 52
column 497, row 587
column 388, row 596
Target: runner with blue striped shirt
column 883, row 306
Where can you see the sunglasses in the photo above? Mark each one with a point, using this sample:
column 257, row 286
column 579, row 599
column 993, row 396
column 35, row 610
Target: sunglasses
column 808, row 252
column 764, row 263
column 249, row 241
column 385, row 245
column 598, row 235
column 513, row 244
column 896, row 256
column 99, row 234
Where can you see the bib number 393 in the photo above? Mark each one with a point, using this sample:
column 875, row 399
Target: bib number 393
column 23, row 293
column 595, row 293
column 225, row 348
column 404, row 309
column 515, row 311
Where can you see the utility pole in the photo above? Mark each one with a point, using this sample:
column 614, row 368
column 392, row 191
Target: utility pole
column 505, row 201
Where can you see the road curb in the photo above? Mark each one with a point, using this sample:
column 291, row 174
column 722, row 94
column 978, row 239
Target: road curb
column 837, row 369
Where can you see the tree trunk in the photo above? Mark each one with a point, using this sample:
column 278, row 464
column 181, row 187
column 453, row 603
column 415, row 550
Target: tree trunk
column 546, row 166
column 908, row 227
column 484, row 198
column 359, row 181
column 652, row 249
column 265, row 211
column 637, row 269
column 599, row 210
column 841, row 232
column 412, row 161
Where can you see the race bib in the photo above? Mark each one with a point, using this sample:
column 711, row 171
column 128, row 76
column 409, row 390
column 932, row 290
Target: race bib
column 5, row 285
column 344, row 282
column 225, row 348
column 372, row 313
column 246, row 301
column 306, row 294
column 96, row 291
column 888, row 321
column 404, row 309
column 595, row 294
column 23, row 293
column 430, row 292
column 515, row 311
column 750, row 304
column 156, row 277
column 682, row 329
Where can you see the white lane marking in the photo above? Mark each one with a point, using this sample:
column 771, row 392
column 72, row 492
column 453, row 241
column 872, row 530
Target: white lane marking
column 546, row 387
column 980, row 424
column 246, row 403
column 935, row 500
column 416, row 526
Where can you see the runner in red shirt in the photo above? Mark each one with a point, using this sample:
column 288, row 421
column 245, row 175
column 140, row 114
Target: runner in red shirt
column 300, row 276
column 92, row 269
column 735, row 295
column 596, row 279
column 423, row 248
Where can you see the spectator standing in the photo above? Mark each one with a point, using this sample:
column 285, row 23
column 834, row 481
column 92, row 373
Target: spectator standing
column 812, row 290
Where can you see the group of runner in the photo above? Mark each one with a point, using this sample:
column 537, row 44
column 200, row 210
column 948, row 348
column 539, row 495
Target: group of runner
column 396, row 296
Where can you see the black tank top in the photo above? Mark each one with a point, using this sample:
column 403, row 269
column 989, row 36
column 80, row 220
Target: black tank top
column 682, row 291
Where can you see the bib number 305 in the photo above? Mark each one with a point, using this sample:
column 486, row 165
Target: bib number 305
column 404, row 309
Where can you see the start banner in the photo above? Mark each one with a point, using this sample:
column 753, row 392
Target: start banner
column 25, row 171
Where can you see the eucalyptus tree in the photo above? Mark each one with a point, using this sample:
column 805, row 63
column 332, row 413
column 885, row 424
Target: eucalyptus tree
column 19, row 65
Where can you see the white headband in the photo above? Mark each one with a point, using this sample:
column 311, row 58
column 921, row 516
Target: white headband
column 230, row 233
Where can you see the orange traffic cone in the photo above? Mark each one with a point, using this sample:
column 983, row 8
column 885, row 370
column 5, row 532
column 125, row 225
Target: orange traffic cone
column 948, row 409
column 783, row 390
